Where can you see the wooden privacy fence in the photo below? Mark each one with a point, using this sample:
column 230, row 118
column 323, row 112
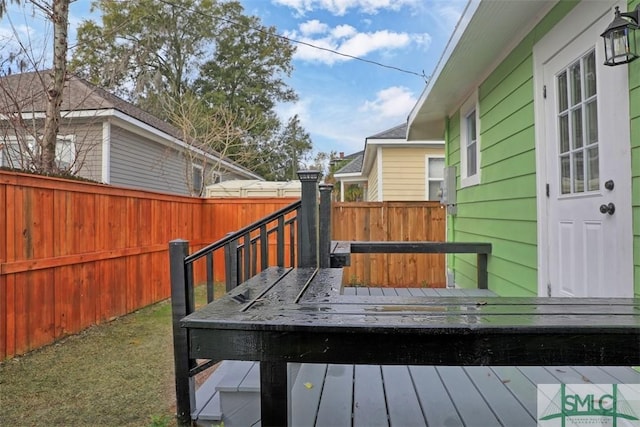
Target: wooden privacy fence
column 392, row 221
column 74, row 254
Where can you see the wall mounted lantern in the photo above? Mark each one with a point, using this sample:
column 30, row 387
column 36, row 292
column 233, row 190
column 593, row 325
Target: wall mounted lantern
column 620, row 45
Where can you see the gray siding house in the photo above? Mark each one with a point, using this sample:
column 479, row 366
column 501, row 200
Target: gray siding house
column 106, row 139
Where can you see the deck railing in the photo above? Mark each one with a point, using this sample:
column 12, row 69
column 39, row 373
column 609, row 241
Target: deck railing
column 246, row 253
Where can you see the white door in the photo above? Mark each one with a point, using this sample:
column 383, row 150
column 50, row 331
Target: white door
column 588, row 164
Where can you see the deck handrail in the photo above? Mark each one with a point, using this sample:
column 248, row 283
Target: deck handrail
column 244, row 230
column 242, row 261
column 342, row 250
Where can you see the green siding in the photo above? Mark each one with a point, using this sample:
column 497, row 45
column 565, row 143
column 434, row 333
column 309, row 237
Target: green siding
column 634, row 112
column 502, row 208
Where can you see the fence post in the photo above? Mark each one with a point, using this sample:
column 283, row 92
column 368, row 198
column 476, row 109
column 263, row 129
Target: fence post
column 325, row 225
column 181, row 304
column 307, row 222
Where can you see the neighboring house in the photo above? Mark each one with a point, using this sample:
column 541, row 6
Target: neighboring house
column 350, row 177
column 545, row 140
column 107, row 139
column 393, row 168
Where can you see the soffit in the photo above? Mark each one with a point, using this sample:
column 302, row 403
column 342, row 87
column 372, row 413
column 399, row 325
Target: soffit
column 487, row 29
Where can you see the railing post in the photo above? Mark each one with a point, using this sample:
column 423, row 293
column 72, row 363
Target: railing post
column 325, row 225
column 231, row 265
column 307, row 222
column 182, row 304
column 483, row 274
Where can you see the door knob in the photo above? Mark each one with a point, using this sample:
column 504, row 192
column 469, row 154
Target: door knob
column 609, row 185
column 608, row 209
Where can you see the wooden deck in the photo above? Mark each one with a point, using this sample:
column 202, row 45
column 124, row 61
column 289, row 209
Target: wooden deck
column 375, row 395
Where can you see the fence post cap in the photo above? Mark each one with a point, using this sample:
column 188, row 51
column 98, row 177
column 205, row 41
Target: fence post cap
column 178, row 242
column 309, row 175
column 325, row 186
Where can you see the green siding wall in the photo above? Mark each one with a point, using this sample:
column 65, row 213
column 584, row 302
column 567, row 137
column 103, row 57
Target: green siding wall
column 502, row 209
column 634, row 112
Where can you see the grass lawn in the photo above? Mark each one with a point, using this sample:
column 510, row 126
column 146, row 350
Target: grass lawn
column 115, row 374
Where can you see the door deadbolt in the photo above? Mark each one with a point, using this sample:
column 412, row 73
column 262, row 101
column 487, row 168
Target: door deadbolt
column 608, row 209
column 609, row 185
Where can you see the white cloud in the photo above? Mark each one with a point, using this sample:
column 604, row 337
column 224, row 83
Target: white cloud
column 341, row 7
column 342, row 31
column 346, row 40
column 392, row 102
column 312, row 27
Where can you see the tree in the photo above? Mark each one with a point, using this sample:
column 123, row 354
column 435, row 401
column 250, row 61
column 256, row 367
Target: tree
column 57, row 11
column 207, row 131
column 154, row 52
column 245, row 76
column 247, row 69
column 145, row 50
column 298, row 144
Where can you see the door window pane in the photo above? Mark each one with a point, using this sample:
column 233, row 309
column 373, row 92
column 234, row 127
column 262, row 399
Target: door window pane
column 590, row 74
column 563, row 103
column 565, row 175
column 576, row 88
column 564, row 133
column 592, row 122
column 593, row 169
column 576, row 121
column 578, row 172
column 578, row 126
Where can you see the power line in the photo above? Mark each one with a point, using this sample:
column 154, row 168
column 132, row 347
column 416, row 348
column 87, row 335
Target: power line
column 300, row 42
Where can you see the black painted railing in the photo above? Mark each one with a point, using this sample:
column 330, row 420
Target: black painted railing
column 298, row 236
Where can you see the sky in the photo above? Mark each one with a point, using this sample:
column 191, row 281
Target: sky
column 341, row 100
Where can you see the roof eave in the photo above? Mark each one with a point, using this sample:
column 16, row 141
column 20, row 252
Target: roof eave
column 486, row 32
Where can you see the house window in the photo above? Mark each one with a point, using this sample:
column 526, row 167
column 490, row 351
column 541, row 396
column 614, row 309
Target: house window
column 18, row 154
column 469, row 143
column 196, row 179
column 577, row 120
column 435, row 175
column 66, row 152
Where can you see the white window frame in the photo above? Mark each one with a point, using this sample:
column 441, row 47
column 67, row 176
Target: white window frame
column 428, row 179
column 30, row 140
column 71, row 141
column 469, row 107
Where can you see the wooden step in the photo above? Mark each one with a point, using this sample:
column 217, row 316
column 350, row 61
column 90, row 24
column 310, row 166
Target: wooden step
column 208, row 399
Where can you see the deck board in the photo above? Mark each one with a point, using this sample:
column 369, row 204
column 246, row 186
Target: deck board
column 402, row 401
column 373, row 395
column 471, row 406
column 519, row 385
column 306, row 393
column 503, row 404
column 369, row 406
column 437, row 407
column 336, row 401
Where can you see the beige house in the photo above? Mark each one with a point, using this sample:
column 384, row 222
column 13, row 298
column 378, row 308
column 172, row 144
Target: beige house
column 393, row 169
